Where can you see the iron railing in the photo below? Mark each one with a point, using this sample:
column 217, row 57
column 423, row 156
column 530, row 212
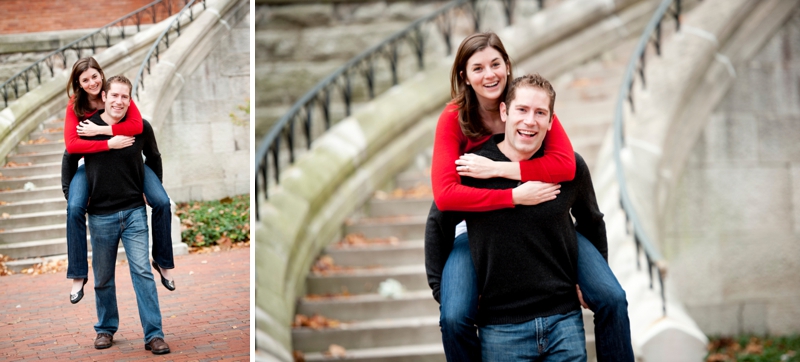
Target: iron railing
column 175, row 24
column 361, row 65
column 652, row 33
column 100, row 38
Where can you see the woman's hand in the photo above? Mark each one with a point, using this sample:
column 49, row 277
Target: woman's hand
column 88, row 129
column 534, row 193
column 118, row 142
column 472, row 165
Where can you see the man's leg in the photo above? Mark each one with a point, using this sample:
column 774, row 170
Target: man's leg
column 459, row 308
column 135, row 240
column 605, row 297
column 565, row 338
column 513, row 342
column 162, row 219
column 105, row 230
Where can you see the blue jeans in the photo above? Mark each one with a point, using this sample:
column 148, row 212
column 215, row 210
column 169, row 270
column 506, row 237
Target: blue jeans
column 107, row 230
column 553, row 338
column 600, row 288
column 158, row 199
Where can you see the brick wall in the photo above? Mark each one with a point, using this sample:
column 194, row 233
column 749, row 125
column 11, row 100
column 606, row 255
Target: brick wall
column 31, row 16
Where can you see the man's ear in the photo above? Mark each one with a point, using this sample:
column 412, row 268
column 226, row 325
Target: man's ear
column 503, row 112
column 550, row 124
column 103, row 96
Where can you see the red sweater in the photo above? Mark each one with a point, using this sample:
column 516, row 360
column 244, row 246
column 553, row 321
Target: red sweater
column 557, row 165
column 131, row 127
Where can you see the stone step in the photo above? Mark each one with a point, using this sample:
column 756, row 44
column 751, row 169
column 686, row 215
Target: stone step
column 38, row 181
column 33, row 206
column 54, row 124
column 402, row 227
column 416, row 303
column 41, row 147
column 42, row 232
column 33, row 219
column 367, row 280
column 49, row 192
column 411, row 179
column 398, row 207
column 19, row 264
column 47, row 134
column 403, row 253
column 50, row 168
column 37, row 157
column 412, row 353
column 35, row 248
column 369, row 334
column 313, row 44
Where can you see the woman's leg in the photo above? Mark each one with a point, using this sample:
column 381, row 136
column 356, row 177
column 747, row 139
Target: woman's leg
column 605, row 297
column 161, row 219
column 77, row 267
column 459, row 307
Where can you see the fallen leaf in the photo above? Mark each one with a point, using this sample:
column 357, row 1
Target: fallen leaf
column 336, row 350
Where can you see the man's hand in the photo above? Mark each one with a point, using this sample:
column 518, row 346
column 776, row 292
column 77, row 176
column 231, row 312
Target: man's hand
column 534, row 193
column 118, row 142
column 88, row 129
column 145, row 199
column 580, row 297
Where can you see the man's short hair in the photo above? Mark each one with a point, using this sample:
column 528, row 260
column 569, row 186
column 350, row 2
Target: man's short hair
column 532, row 81
column 118, row 79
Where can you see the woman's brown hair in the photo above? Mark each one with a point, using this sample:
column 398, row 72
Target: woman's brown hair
column 463, row 95
column 81, row 105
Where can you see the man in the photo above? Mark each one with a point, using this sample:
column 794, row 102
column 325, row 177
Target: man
column 117, row 211
column 525, row 257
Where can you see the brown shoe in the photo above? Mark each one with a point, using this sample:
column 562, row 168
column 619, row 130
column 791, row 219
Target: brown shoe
column 158, row 346
column 103, row 341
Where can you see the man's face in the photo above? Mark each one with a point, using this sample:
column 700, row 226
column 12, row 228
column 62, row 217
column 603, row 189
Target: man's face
column 117, row 100
column 527, row 120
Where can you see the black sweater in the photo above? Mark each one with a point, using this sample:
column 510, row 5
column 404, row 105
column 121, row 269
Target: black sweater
column 525, row 257
column 115, row 177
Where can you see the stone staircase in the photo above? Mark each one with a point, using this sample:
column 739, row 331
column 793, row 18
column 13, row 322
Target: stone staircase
column 33, row 217
column 374, row 327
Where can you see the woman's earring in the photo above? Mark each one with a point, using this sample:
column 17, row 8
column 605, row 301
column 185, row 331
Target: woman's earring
column 467, row 83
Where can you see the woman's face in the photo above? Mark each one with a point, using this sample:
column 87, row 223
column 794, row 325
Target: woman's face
column 91, row 81
column 487, row 74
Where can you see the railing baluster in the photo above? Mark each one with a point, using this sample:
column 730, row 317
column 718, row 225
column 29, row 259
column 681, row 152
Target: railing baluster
column 641, row 239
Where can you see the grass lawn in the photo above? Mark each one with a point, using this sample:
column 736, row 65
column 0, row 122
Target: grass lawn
column 750, row 348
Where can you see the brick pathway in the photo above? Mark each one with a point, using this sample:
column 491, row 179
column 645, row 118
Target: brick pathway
column 206, row 319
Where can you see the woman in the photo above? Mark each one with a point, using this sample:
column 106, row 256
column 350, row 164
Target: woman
column 479, row 78
column 86, row 81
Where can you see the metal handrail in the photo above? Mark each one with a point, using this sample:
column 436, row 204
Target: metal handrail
column 637, row 63
column 340, row 79
column 164, row 37
column 78, row 46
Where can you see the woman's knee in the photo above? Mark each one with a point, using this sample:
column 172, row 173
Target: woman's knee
column 76, row 210
column 614, row 299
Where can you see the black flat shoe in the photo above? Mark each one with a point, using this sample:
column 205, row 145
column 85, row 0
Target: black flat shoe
column 169, row 284
column 75, row 298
